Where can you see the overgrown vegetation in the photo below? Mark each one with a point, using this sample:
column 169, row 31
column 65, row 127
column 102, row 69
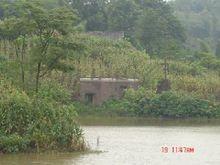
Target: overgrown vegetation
column 44, row 121
column 45, row 48
column 35, row 112
column 144, row 103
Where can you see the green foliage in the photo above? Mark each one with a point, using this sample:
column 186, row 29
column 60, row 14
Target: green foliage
column 147, row 24
column 155, row 33
column 171, row 104
column 107, row 58
column 200, row 18
column 13, row 102
column 13, row 143
column 128, row 106
column 122, row 16
column 210, row 63
column 207, row 60
column 39, row 35
column 43, row 121
column 217, row 51
column 54, row 92
column 148, row 103
column 42, row 48
column 206, row 87
column 194, row 69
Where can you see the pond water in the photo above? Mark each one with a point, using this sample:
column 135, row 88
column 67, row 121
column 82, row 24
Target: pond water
column 137, row 142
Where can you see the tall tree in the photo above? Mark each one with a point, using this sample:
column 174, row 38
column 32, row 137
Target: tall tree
column 17, row 31
column 52, row 26
column 16, row 28
column 93, row 12
column 42, row 36
column 201, row 20
column 146, row 23
column 157, row 26
column 122, row 15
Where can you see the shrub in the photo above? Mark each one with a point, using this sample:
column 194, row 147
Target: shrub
column 15, row 109
column 39, row 122
column 13, row 143
column 206, row 88
column 193, row 69
column 171, row 104
column 147, row 103
column 52, row 91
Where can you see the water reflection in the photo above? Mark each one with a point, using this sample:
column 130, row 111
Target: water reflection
column 128, row 121
column 136, row 142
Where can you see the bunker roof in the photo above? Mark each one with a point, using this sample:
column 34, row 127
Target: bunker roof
column 107, row 80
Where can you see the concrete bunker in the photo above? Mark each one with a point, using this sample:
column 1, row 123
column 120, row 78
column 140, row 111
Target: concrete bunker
column 98, row 90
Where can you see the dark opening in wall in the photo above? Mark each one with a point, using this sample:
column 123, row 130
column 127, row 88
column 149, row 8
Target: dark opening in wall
column 89, row 97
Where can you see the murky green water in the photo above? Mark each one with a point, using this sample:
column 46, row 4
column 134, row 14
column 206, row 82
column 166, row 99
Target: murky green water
column 136, row 142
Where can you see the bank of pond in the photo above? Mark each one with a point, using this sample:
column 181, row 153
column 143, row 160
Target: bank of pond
column 49, row 119
column 142, row 103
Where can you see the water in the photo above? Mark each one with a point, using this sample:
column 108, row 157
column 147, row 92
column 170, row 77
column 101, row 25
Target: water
column 135, row 142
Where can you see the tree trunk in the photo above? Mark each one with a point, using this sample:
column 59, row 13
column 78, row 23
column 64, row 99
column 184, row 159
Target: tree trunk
column 22, row 63
column 38, row 76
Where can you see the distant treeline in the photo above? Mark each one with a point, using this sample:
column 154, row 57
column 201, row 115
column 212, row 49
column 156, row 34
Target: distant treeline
column 201, row 19
column 174, row 28
column 149, row 24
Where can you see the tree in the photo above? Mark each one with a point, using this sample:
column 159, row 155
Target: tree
column 204, row 47
column 122, row 15
column 154, row 31
column 93, row 12
column 42, row 37
column 201, row 20
column 51, row 28
column 217, row 51
column 145, row 22
column 16, row 28
column 17, row 31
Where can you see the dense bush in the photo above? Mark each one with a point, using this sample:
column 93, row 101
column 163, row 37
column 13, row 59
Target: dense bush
column 52, row 91
column 193, row 69
column 171, row 104
column 204, row 87
column 38, row 122
column 13, row 143
column 146, row 103
column 15, row 109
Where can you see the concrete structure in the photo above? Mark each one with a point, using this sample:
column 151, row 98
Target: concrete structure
column 98, row 90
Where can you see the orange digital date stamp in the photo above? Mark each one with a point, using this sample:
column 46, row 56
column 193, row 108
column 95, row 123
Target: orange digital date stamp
column 177, row 149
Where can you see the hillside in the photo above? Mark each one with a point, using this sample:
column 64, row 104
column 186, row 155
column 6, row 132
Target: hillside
column 201, row 20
